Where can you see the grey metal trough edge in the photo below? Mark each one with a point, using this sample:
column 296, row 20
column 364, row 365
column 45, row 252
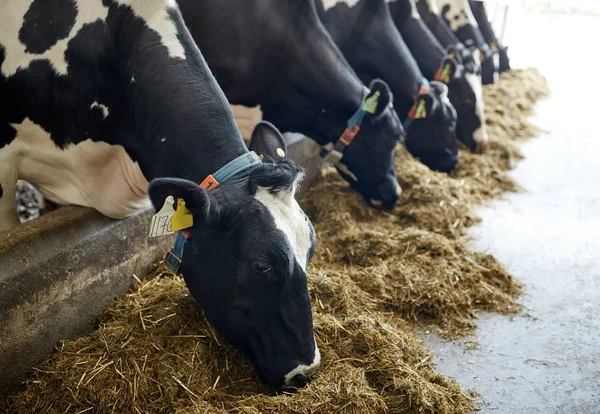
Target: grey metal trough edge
column 60, row 271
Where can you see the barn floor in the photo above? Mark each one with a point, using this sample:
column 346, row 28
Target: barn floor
column 548, row 237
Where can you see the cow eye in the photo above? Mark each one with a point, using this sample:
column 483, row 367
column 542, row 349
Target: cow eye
column 261, row 267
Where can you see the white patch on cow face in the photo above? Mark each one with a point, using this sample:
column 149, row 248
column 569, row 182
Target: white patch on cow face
column 104, row 108
column 11, row 20
column 461, row 9
column 89, row 174
column 328, row 4
column 289, row 219
column 480, row 135
column 305, row 370
column 156, row 15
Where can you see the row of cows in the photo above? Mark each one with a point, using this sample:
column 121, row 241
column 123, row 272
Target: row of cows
column 104, row 102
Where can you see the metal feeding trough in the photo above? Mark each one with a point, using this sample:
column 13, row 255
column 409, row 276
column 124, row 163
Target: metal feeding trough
column 60, row 271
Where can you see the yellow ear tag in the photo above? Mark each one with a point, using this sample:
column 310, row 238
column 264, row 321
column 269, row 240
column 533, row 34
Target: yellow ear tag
column 182, row 219
column 280, row 152
column 161, row 221
column 261, row 156
column 421, row 110
column 446, row 74
column 370, row 105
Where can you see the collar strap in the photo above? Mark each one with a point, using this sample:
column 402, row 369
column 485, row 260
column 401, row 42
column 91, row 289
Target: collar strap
column 412, row 114
column 334, row 152
column 242, row 163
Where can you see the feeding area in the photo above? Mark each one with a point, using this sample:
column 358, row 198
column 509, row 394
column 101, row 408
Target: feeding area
column 377, row 278
column 324, row 206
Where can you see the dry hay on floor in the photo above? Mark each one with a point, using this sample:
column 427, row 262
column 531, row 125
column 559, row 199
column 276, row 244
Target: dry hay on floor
column 411, row 261
column 155, row 352
column 511, row 101
column 374, row 275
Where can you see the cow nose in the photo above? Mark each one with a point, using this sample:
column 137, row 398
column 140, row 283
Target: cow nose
column 300, row 375
column 297, row 381
column 386, row 194
column 481, row 139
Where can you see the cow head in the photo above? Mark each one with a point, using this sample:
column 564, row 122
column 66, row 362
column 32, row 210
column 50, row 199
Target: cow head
column 245, row 262
column 504, row 63
column 368, row 162
column 489, row 65
column 465, row 95
column 431, row 136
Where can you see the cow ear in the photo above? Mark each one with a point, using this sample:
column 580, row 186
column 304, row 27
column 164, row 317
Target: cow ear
column 267, row 141
column 448, row 71
column 453, row 52
column 379, row 99
column 424, row 107
column 198, row 201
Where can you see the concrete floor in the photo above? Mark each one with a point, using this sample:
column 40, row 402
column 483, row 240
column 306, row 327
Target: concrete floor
column 549, row 238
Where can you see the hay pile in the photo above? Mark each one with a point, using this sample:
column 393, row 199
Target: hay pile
column 375, row 276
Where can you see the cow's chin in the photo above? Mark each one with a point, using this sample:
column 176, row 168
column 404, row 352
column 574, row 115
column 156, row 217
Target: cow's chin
column 443, row 161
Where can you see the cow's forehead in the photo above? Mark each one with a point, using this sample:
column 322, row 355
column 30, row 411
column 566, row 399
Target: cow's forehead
column 290, row 220
column 25, row 39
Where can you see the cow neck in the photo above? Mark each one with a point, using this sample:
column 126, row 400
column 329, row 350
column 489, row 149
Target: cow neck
column 426, row 49
column 436, row 25
column 334, row 152
column 485, row 27
column 200, row 160
column 181, row 124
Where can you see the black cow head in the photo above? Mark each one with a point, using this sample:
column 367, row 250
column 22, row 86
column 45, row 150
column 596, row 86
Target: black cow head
column 465, row 97
column 489, row 66
column 504, row 63
column 431, row 136
column 368, row 162
column 245, row 262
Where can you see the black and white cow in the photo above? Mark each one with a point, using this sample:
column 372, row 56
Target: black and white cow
column 458, row 16
column 435, row 63
column 429, row 12
column 366, row 34
column 99, row 97
column 478, row 9
column 277, row 54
